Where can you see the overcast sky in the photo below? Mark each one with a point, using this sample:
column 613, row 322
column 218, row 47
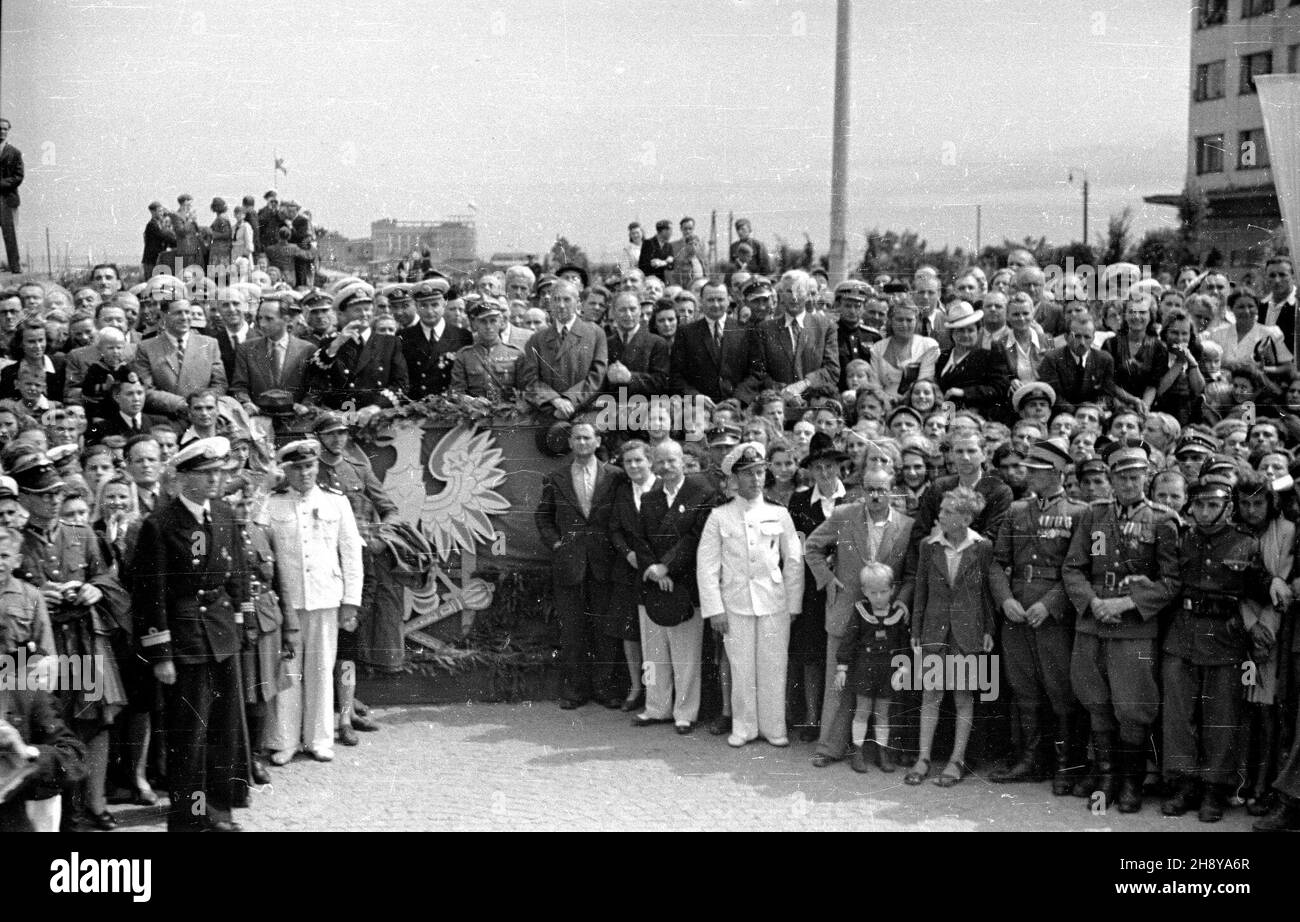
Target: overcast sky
column 560, row 116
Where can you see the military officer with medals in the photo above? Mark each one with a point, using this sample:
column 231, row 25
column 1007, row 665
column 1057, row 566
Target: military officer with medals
column 1038, row 619
column 1205, row 647
column 1120, row 572
column 190, row 597
column 487, row 367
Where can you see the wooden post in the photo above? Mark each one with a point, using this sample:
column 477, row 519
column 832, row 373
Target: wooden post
column 840, row 145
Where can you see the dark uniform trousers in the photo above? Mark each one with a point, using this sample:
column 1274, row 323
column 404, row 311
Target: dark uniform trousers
column 205, row 709
column 1113, row 666
column 1205, row 648
column 1038, row 664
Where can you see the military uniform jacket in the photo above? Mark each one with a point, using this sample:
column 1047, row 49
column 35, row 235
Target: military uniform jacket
column 483, row 371
column 271, row 613
column 1031, row 546
column 1110, row 545
column 749, row 561
column 24, row 620
column 369, row 374
column 854, row 343
column 429, row 360
column 351, row 475
column 1219, row 571
column 65, row 554
column 190, row 585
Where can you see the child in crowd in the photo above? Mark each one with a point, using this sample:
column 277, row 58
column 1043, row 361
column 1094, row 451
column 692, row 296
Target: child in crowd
column 952, row 616
column 782, row 473
column 865, row 663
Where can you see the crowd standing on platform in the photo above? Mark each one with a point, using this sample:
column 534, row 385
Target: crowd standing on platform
column 1084, row 497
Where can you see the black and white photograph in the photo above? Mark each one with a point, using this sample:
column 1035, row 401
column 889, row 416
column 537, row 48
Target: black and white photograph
column 686, row 415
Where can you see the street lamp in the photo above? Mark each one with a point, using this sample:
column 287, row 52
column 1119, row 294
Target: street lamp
column 1070, row 179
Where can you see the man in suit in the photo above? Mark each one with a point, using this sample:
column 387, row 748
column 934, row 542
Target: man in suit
column 657, row 252
column 749, row 567
column 359, row 368
column 11, row 177
column 672, row 631
column 711, row 357
column 855, row 534
column 128, row 418
column 274, row 360
column 178, row 361
column 573, row 520
column 430, row 345
column 968, row 456
column 563, row 368
column 930, row 319
column 235, row 330
column 1077, row 372
column 761, row 262
column 796, row 350
column 638, row 359
column 320, row 558
column 189, row 586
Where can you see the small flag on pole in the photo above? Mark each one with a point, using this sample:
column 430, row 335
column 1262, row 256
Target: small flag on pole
column 280, row 167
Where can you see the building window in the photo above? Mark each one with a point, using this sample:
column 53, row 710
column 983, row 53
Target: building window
column 1252, row 150
column 1252, row 66
column 1293, row 57
column 1209, row 81
column 1251, row 8
column 1209, row 154
column 1211, row 13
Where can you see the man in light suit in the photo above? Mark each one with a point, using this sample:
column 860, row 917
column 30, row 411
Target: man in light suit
column 177, row 362
column 797, row 350
column 319, row 550
column 749, row 567
column 711, row 357
column 855, row 534
column 272, row 361
column 563, row 367
column 638, row 359
column 573, row 520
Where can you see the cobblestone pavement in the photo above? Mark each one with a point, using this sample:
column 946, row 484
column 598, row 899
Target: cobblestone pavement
column 534, row 766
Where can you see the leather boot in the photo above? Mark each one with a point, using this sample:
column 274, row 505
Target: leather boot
column 1285, row 817
column 1133, row 770
column 1186, row 795
column 1258, row 798
column 1071, row 747
column 1213, row 803
column 1104, row 769
column 1026, row 768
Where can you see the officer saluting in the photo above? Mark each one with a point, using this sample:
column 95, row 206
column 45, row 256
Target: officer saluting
column 1120, row 571
column 1038, row 630
column 190, row 593
column 486, row 368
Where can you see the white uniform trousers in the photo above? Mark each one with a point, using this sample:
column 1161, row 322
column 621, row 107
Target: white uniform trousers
column 758, row 649
column 670, row 665
column 303, row 714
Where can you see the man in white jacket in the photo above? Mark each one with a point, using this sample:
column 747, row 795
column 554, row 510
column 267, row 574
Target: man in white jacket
column 319, row 553
column 750, row 572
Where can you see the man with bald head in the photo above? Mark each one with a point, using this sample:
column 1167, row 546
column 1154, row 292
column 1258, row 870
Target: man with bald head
column 1047, row 313
column 563, row 367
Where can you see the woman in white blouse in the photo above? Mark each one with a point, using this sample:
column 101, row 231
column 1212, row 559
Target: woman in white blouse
column 903, row 357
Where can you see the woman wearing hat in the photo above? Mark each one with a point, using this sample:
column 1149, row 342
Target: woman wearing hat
column 903, row 357
column 810, row 507
column 223, row 235
column 969, row 375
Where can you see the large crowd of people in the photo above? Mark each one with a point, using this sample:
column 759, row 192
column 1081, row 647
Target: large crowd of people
column 1085, row 494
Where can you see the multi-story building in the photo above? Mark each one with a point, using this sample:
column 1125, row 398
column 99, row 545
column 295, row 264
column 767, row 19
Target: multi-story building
column 452, row 243
column 1233, row 42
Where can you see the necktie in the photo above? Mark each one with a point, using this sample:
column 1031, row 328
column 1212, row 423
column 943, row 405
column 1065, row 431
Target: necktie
column 584, row 493
column 794, row 336
column 277, row 360
column 717, row 335
column 562, row 332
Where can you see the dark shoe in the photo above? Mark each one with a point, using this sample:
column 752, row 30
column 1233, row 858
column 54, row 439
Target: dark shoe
column 859, row 760
column 613, row 702
column 1262, row 805
column 1285, row 817
column 1132, row 769
column 685, row 729
column 347, row 736
column 885, row 759
column 1084, row 783
column 241, row 798
column 259, row 773
column 1026, row 768
column 1186, row 795
column 86, row 821
column 631, row 704
column 640, row 720
column 1213, row 804
column 821, row 760
column 720, row 725
column 363, row 723
column 360, row 708
column 224, row 826
column 571, row 704
column 1069, row 767
column 810, row 733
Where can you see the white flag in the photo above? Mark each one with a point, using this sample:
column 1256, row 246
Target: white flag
column 1279, row 100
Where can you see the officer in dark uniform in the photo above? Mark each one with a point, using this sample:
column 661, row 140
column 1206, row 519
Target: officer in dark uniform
column 1120, row 572
column 1038, row 630
column 1205, row 648
column 854, row 340
column 190, row 597
column 759, row 298
column 377, row 639
column 318, row 318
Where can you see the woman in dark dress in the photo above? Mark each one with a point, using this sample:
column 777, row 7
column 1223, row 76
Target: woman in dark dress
column 809, row 507
column 971, row 377
column 622, row 618
column 1140, row 357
